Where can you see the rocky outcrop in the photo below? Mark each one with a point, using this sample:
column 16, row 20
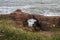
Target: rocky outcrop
column 45, row 22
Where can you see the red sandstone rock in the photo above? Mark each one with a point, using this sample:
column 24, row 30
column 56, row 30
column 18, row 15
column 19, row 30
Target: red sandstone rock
column 21, row 18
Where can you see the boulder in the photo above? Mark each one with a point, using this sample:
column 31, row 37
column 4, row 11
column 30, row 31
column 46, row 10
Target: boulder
column 45, row 22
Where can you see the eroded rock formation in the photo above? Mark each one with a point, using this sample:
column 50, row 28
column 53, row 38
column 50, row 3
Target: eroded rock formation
column 45, row 22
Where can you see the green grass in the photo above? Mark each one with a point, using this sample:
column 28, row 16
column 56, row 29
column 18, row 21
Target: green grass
column 55, row 37
column 10, row 32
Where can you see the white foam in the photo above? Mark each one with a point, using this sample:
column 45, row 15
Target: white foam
column 31, row 22
column 49, row 13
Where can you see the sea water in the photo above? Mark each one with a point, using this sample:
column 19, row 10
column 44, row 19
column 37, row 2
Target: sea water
column 40, row 7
